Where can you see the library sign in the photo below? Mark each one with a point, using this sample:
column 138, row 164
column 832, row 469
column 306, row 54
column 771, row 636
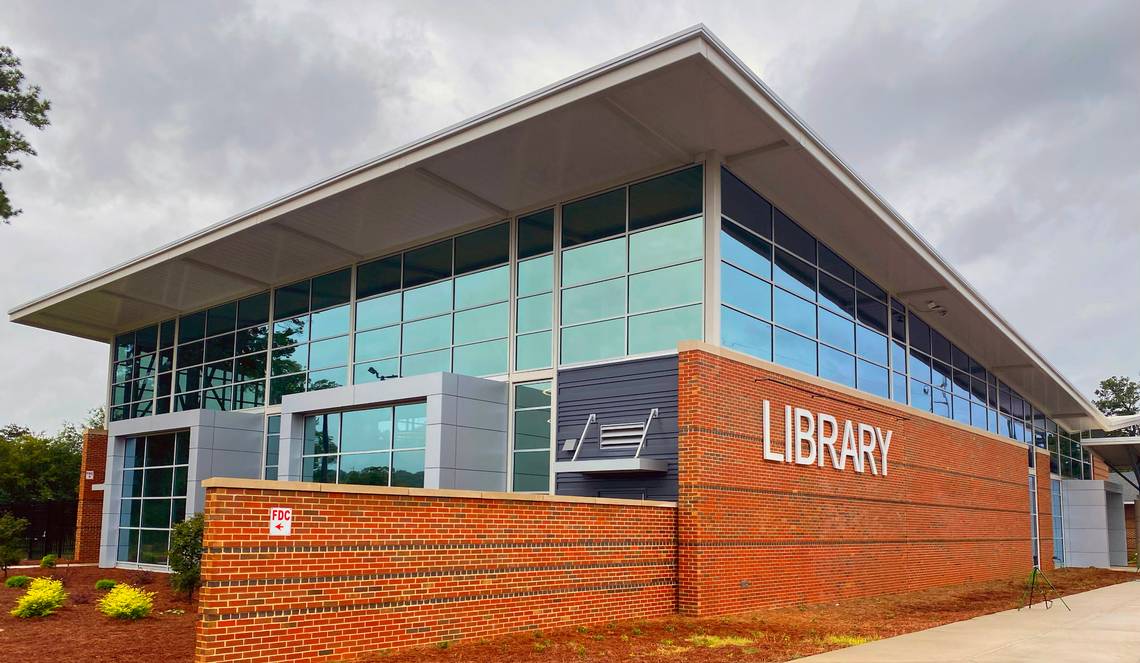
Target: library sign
column 818, row 438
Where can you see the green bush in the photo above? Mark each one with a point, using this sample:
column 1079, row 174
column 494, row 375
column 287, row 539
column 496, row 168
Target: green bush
column 105, row 583
column 18, row 581
column 186, row 554
column 44, row 596
column 48, row 562
column 11, row 540
column 126, row 602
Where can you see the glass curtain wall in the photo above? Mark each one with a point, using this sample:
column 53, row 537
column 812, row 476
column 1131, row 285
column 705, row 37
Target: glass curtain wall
column 532, row 437
column 788, row 298
column 1058, row 523
column 381, row 446
column 153, row 496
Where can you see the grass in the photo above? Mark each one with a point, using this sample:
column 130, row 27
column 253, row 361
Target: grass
column 702, row 640
column 847, row 640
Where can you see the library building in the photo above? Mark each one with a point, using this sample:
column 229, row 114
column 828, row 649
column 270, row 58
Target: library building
column 635, row 344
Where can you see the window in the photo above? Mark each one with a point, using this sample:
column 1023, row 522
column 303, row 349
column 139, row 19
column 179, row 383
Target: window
column 272, row 446
column 153, row 496
column 379, row 446
column 310, row 335
column 534, row 305
column 638, row 292
column 532, row 438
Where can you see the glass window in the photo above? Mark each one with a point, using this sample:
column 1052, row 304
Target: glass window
column 536, row 276
column 872, row 313
column 593, row 262
column 219, row 319
column 745, row 334
column 594, row 302
column 378, row 312
column 427, row 362
column 429, row 334
column 745, row 250
column 794, row 351
column 795, row 275
column 792, row 237
column 366, row 430
column 482, row 248
column 252, row 311
column 653, row 332
column 291, row 300
column 427, row 264
column 331, row 289
column 327, row 353
column 870, row 287
column 492, row 285
column 378, row 343
column 599, row 340
column 745, row 292
column 481, row 324
column 533, row 351
column 836, row 295
column 871, row 345
column 487, row 358
column 376, row 370
column 536, row 234
column 831, row 262
column 153, row 496
column 593, row 218
column 677, row 242
column 872, row 379
column 743, row 205
column 794, row 313
column 378, row 277
column 665, row 198
column 836, row 366
column 532, row 437
column 836, row 330
column 330, row 322
column 427, row 301
column 191, row 327
column 669, row 286
column 920, row 395
column 534, row 313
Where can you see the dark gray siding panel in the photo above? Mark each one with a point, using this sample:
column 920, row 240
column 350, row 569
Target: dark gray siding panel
column 619, row 393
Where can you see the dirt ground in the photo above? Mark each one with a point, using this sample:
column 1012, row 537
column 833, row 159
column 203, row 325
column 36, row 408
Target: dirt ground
column 769, row 635
column 79, row 632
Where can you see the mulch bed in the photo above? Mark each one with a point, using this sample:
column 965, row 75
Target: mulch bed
column 769, row 635
column 79, row 632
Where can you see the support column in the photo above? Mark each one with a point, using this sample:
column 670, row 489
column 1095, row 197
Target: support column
column 89, row 512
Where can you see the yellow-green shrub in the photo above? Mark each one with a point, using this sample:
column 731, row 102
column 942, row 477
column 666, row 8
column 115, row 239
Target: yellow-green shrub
column 44, row 596
column 126, row 602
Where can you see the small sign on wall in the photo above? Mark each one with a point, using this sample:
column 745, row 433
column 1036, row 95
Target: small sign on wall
column 280, row 521
column 90, row 474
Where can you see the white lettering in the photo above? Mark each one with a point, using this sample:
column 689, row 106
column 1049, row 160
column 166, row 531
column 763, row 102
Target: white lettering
column 826, row 440
column 884, row 446
column 787, row 433
column 804, row 416
column 849, row 449
column 867, row 448
column 768, row 453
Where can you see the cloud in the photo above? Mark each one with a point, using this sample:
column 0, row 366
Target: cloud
column 1004, row 132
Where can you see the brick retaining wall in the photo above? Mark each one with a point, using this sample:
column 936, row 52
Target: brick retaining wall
column 753, row 533
column 370, row 568
column 89, row 512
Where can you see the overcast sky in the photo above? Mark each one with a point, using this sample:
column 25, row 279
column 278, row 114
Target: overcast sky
column 1007, row 133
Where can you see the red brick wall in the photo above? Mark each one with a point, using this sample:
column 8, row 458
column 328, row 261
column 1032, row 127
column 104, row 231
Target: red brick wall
column 755, row 534
column 1045, row 511
column 89, row 514
column 1100, row 469
column 383, row 568
column 1130, row 528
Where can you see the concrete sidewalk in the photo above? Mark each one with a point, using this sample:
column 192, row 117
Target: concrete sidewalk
column 1103, row 627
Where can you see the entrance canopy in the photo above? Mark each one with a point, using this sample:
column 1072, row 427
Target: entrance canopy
column 684, row 99
column 1121, row 453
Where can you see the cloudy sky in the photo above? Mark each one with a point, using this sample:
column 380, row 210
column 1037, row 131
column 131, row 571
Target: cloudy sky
column 1007, row 133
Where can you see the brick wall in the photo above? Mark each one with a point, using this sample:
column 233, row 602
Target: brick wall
column 1130, row 528
column 755, row 534
column 369, row 568
column 1100, row 469
column 89, row 513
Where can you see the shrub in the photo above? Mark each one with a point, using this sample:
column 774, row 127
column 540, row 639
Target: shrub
column 11, row 540
column 18, row 581
column 47, row 562
column 126, row 602
column 44, row 596
column 186, row 554
column 105, row 583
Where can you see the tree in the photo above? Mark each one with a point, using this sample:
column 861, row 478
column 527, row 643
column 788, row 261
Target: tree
column 186, row 554
column 17, row 102
column 1116, row 396
column 11, row 540
column 35, row 468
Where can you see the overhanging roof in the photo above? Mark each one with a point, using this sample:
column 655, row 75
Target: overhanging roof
column 676, row 101
column 1122, row 453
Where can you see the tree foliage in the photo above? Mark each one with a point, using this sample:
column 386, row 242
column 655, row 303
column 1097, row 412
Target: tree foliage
column 11, row 540
column 1119, row 395
column 186, row 554
column 35, row 468
column 18, row 101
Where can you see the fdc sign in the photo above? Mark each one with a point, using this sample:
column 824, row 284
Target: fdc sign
column 280, row 521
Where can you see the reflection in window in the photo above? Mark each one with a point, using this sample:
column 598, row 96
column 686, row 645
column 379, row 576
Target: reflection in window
column 378, row 446
column 532, row 438
column 153, row 495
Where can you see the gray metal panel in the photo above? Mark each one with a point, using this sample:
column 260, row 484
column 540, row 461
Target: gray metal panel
column 618, row 393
